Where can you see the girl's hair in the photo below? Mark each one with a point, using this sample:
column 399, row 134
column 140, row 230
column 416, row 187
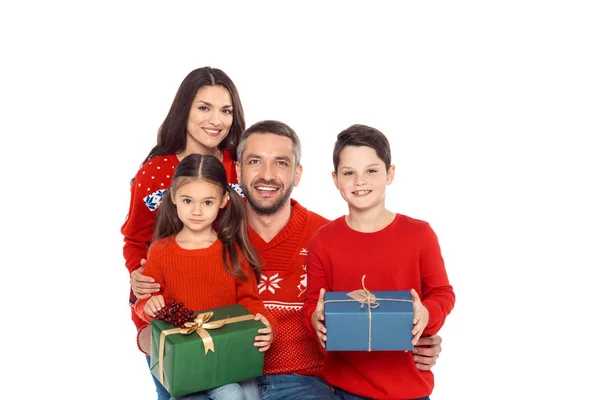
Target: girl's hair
column 172, row 133
column 231, row 222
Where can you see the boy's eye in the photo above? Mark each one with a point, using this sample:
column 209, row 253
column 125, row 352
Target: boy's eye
column 348, row 173
column 372, row 171
column 207, row 202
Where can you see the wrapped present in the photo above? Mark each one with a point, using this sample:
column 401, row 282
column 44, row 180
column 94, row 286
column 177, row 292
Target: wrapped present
column 214, row 350
column 368, row 321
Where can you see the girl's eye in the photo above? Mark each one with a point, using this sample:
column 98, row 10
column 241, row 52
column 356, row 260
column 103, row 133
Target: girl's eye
column 187, row 201
column 208, row 203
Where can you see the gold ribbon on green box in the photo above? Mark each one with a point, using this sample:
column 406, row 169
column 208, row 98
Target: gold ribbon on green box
column 200, row 325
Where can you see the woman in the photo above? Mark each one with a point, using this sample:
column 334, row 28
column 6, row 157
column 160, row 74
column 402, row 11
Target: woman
column 206, row 117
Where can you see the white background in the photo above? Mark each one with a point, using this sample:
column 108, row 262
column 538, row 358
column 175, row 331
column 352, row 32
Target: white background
column 492, row 110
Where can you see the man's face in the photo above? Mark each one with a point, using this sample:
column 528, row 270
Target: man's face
column 267, row 172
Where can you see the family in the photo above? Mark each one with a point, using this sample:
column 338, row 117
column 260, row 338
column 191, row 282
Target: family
column 212, row 222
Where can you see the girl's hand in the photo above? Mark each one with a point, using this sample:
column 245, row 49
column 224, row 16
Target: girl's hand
column 154, row 305
column 318, row 318
column 264, row 341
column 421, row 317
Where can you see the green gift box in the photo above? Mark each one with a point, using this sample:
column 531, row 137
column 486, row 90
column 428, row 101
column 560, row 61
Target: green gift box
column 206, row 355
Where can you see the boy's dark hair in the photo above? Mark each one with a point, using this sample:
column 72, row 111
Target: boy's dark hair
column 231, row 222
column 362, row 135
column 276, row 128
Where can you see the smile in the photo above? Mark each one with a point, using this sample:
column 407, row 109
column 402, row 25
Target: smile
column 212, row 132
column 361, row 192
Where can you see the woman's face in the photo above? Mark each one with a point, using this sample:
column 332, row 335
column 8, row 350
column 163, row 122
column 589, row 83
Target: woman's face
column 211, row 116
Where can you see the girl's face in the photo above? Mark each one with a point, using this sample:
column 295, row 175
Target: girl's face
column 198, row 203
column 361, row 177
column 211, row 116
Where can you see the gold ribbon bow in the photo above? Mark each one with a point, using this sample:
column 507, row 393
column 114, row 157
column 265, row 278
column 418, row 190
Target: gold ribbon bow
column 200, row 326
column 363, row 296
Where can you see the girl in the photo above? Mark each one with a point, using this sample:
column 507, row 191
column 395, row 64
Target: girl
column 195, row 264
column 206, row 117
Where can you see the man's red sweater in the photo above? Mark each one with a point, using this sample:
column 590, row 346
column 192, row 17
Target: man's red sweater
column 403, row 255
column 283, row 289
column 147, row 190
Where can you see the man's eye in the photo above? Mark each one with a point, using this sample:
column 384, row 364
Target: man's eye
column 282, row 163
column 253, row 162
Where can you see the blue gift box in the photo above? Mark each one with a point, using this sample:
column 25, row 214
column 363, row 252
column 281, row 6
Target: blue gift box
column 384, row 324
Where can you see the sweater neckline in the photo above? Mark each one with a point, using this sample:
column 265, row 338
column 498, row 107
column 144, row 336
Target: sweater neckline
column 381, row 231
column 297, row 221
column 214, row 247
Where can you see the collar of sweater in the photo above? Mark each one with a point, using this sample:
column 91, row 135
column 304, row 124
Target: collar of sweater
column 296, row 222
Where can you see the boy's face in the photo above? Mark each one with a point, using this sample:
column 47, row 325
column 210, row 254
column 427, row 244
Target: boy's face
column 361, row 177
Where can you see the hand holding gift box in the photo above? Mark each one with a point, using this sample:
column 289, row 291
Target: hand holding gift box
column 369, row 321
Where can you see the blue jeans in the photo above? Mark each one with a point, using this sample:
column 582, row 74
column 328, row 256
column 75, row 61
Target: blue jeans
column 343, row 395
column 160, row 389
column 294, row 387
column 246, row 390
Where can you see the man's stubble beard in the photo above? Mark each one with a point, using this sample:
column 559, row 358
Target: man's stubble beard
column 267, row 210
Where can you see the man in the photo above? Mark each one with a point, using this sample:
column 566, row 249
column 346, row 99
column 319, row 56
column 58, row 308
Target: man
column 280, row 228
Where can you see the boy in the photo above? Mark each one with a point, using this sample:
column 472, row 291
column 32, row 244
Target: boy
column 394, row 251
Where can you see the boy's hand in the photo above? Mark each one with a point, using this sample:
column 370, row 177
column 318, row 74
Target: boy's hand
column 143, row 286
column 264, row 341
column 421, row 317
column 318, row 319
column 154, row 305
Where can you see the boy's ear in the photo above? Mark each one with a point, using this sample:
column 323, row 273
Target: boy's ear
column 391, row 173
column 334, row 176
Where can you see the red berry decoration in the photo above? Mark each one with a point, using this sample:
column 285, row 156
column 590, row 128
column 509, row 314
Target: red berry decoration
column 174, row 313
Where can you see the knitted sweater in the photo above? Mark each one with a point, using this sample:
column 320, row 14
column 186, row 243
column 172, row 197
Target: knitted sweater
column 403, row 255
column 199, row 280
column 283, row 289
column 147, row 190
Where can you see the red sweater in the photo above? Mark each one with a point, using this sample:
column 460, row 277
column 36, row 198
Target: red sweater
column 198, row 279
column 283, row 290
column 403, row 255
column 147, row 190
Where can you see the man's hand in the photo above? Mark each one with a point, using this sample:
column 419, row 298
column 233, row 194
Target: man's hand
column 143, row 286
column 318, row 319
column 427, row 351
